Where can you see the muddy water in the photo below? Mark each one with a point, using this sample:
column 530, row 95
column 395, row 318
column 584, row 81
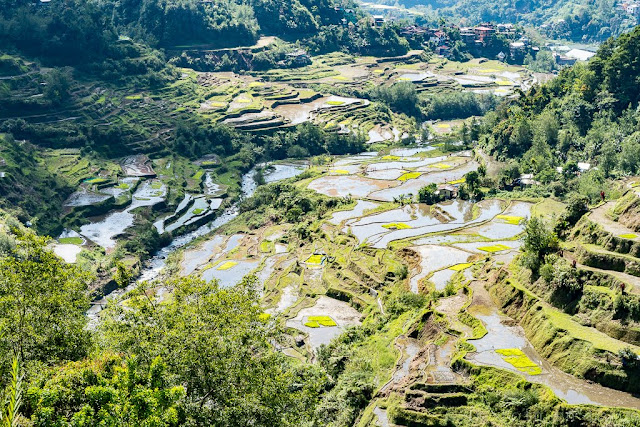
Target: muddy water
column 356, row 212
column 278, row 172
column 434, row 258
column 503, row 332
column 85, row 197
column 194, row 258
column 440, row 218
column 406, row 162
column 156, row 264
column 388, row 174
column 342, row 313
column 441, row 278
column 342, row 186
column 300, row 113
column 232, row 276
column 411, row 348
column 407, row 152
column 412, row 186
column 68, row 252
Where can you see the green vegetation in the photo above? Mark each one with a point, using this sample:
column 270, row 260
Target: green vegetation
column 317, row 321
column 494, row 248
column 519, row 360
column 397, row 226
column 409, row 175
column 226, row 265
column 71, row 240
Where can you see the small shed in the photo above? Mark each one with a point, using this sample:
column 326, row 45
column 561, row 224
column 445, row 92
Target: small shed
column 447, row 191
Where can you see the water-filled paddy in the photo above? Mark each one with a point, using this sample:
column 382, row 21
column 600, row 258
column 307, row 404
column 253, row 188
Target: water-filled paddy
column 422, row 219
column 341, row 312
column 412, row 186
column 359, row 209
column 341, row 186
column 434, row 258
column 104, row 231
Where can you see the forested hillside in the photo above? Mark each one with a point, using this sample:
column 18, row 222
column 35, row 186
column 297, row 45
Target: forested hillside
column 576, row 20
column 588, row 114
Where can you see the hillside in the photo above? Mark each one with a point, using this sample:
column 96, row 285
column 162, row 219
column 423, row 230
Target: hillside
column 575, row 20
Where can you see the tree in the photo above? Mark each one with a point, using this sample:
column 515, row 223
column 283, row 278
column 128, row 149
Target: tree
column 427, row 194
column 43, row 301
column 107, row 390
column 217, row 344
column 58, row 83
column 539, row 240
column 472, row 179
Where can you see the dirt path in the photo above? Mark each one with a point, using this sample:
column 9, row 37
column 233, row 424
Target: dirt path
column 633, row 282
column 600, row 216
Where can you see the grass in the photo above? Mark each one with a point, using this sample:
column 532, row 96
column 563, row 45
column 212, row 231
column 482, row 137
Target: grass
column 335, row 102
column 156, row 185
column 460, row 267
column 628, row 236
column 315, row 259
column 198, row 175
column 519, row 360
column 197, row 211
column 71, row 240
column 441, row 166
column 122, row 186
column 397, row 226
column 266, row 246
column 390, row 157
column 317, row 321
column 227, row 265
column 511, row 219
column 409, row 175
column 457, row 181
column 133, row 97
column 494, row 248
column 95, row 180
column 340, row 171
column 548, row 208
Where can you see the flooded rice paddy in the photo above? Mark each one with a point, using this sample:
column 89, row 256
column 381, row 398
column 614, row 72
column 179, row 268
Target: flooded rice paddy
column 339, row 311
column 103, row 230
column 504, row 333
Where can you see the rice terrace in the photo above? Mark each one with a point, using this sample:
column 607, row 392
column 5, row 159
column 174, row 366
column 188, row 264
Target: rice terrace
column 312, row 213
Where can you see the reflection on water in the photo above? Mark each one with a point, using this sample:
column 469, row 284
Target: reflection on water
column 503, row 332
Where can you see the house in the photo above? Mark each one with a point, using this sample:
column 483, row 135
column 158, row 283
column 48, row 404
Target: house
column 501, row 56
column 299, row 57
column 525, row 180
column 583, row 166
column 564, row 60
column 505, row 29
column 378, row 20
column 443, row 50
column 468, row 35
column 484, row 31
column 447, row 191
